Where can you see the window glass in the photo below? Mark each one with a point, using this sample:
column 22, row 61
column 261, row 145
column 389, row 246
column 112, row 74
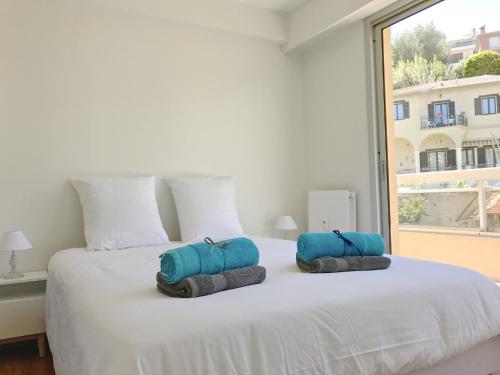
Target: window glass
column 432, row 161
column 489, row 105
column 468, row 157
column 441, row 159
column 441, row 113
column 399, row 111
column 495, row 42
column 490, row 157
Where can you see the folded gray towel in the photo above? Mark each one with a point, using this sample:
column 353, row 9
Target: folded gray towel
column 341, row 264
column 202, row 285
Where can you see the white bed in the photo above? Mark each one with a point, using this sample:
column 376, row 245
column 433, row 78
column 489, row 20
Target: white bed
column 105, row 316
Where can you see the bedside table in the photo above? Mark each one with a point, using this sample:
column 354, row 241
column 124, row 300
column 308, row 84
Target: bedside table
column 22, row 309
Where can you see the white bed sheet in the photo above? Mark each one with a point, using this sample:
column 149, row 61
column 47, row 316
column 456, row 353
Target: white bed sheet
column 105, row 316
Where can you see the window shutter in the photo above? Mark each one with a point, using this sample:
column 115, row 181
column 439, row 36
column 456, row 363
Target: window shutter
column 481, row 157
column 406, row 107
column 451, row 159
column 423, row 161
column 430, row 112
column 452, row 108
column 477, row 107
column 498, row 103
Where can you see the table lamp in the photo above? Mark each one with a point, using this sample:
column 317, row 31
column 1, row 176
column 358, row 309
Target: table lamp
column 285, row 223
column 13, row 241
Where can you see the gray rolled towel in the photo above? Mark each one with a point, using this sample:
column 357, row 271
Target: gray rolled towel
column 342, row 264
column 202, row 285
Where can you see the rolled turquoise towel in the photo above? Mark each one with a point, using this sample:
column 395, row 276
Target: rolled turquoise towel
column 208, row 258
column 315, row 245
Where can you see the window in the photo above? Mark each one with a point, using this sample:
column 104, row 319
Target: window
column 495, row 42
column 490, row 157
column 441, row 113
column 489, row 105
column 468, row 158
column 401, row 110
column 437, row 160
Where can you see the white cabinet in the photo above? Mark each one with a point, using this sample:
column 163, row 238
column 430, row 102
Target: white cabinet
column 22, row 305
column 332, row 210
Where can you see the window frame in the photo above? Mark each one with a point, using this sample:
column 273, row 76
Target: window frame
column 490, row 150
column 466, row 162
column 436, row 153
column 496, row 38
column 377, row 101
column 495, row 104
column 396, row 112
column 446, row 118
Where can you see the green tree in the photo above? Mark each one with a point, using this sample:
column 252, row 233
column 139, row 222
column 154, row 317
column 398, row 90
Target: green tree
column 411, row 209
column 461, row 184
column 459, row 69
column 420, row 70
column 424, row 40
column 486, row 62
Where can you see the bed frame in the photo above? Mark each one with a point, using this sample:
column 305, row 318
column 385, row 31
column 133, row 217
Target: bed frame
column 483, row 359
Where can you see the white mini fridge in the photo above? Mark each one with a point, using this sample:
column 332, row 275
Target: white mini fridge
column 332, row 210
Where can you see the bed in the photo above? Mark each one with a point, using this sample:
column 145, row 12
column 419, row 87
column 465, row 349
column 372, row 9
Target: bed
column 105, row 316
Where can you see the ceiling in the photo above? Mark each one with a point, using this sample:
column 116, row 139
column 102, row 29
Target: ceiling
column 278, row 5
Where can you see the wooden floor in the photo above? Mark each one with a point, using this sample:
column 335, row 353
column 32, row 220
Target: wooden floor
column 22, row 358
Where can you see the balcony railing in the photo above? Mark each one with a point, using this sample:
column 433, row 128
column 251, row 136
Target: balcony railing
column 482, row 182
column 484, row 165
column 443, row 121
column 405, row 170
column 459, row 224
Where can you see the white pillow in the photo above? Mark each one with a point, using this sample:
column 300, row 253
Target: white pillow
column 206, row 207
column 120, row 212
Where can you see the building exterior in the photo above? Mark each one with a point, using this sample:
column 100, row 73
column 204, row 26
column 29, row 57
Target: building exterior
column 473, row 43
column 488, row 41
column 461, row 49
column 448, row 125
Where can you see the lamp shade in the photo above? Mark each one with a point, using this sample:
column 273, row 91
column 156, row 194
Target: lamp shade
column 14, row 240
column 285, row 223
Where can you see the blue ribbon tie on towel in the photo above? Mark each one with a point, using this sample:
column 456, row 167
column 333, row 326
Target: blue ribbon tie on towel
column 208, row 258
column 315, row 245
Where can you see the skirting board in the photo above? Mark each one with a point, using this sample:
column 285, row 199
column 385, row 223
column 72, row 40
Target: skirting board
column 483, row 359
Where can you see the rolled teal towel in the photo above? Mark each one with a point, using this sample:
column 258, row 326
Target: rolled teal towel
column 315, row 245
column 208, row 258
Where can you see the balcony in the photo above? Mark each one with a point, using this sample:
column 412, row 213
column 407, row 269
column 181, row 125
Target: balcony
column 450, row 217
column 443, row 121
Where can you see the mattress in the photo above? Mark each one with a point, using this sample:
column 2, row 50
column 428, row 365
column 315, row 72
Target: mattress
column 105, row 316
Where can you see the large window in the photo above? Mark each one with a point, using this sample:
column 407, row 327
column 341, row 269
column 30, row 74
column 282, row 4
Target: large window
column 446, row 196
column 489, row 105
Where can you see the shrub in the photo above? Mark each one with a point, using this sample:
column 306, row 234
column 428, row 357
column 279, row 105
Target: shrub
column 411, row 209
column 486, row 62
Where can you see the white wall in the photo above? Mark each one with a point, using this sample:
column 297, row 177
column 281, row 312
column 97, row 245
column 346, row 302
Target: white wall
column 317, row 18
column 227, row 15
column 88, row 90
column 336, row 113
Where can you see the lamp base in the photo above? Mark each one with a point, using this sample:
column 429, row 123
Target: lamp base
column 13, row 275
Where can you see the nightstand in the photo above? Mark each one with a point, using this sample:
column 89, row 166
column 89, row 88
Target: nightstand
column 22, row 306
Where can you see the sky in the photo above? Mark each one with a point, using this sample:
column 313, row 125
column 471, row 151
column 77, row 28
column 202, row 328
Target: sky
column 455, row 17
